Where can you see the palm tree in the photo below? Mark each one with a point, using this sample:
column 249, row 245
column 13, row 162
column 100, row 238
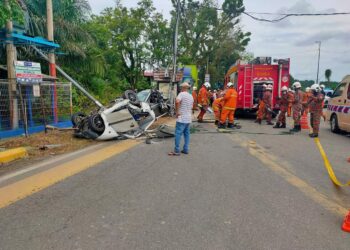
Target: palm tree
column 328, row 74
column 70, row 16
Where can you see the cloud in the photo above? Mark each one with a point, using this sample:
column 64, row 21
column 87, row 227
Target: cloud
column 324, row 36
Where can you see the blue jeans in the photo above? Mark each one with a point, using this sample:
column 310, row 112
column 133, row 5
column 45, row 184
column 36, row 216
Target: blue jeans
column 182, row 128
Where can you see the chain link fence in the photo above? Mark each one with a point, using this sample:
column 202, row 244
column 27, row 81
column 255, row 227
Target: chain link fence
column 24, row 106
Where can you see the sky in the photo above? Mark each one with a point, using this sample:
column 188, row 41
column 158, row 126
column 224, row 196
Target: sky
column 293, row 38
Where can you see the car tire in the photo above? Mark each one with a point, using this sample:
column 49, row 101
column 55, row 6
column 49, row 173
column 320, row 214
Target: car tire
column 77, row 118
column 132, row 97
column 334, row 124
column 96, row 123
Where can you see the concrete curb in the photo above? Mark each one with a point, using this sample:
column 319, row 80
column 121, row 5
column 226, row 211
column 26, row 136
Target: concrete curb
column 13, row 154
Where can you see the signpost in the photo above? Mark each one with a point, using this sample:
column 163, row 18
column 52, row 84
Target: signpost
column 28, row 73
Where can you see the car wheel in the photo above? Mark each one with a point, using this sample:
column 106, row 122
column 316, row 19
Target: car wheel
column 334, row 124
column 77, row 118
column 96, row 123
column 132, row 97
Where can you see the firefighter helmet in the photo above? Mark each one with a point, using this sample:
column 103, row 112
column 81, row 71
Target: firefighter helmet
column 297, row 85
column 230, row 84
column 315, row 87
column 207, row 85
column 284, row 88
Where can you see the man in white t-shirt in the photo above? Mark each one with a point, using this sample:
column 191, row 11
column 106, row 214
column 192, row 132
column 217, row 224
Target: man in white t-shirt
column 184, row 105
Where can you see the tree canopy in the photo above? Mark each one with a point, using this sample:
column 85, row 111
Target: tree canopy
column 211, row 33
column 328, row 74
column 110, row 51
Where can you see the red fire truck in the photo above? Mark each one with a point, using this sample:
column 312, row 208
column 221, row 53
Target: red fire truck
column 249, row 79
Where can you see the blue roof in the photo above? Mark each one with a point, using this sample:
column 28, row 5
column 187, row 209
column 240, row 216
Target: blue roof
column 20, row 39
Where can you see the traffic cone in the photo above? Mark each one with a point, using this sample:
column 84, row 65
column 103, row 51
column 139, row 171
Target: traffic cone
column 304, row 123
column 346, row 224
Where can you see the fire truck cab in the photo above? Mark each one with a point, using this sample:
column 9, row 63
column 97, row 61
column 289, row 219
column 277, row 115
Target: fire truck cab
column 249, row 79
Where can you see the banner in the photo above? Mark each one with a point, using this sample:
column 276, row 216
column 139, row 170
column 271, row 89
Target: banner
column 28, row 72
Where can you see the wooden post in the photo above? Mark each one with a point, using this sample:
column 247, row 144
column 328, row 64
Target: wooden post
column 11, row 74
column 51, row 55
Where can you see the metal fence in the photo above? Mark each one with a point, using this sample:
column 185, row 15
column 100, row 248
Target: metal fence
column 32, row 105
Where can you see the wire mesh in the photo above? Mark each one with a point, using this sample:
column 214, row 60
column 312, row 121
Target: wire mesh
column 33, row 105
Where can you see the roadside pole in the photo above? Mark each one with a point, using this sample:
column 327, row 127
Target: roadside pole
column 318, row 63
column 173, row 79
column 51, row 55
column 11, row 74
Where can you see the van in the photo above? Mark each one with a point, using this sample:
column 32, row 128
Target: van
column 338, row 110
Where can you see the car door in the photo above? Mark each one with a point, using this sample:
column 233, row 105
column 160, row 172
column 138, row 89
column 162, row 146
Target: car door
column 346, row 111
column 337, row 103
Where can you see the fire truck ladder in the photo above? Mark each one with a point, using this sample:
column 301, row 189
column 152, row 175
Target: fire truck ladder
column 248, row 86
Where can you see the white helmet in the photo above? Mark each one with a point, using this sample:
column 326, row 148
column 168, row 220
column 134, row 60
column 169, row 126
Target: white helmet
column 207, row 85
column 308, row 89
column 322, row 86
column 194, row 88
column 269, row 87
column 297, row 85
column 264, row 86
column 315, row 87
column 230, row 84
column 284, row 88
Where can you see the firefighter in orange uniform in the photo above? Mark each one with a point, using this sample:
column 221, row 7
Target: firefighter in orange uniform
column 306, row 97
column 267, row 99
column 283, row 102
column 217, row 107
column 261, row 110
column 297, row 106
column 316, row 109
column 195, row 98
column 290, row 102
column 229, row 104
column 203, row 100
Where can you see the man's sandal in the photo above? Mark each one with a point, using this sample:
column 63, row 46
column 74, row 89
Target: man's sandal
column 174, row 154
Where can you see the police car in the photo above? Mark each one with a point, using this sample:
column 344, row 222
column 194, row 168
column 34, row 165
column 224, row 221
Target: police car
column 338, row 110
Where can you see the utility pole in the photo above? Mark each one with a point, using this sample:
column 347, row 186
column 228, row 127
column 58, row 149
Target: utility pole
column 11, row 74
column 319, row 56
column 51, row 55
column 173, row 80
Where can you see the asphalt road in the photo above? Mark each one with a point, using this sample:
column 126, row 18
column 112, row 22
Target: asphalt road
column 233, row 191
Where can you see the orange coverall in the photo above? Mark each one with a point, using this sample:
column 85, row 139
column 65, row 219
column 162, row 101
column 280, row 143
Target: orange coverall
column 217, row 107
column 203, row 100
column 195, row 99
column 229, row 106
column 290, row 103
column 261, row 111
column 304, row 102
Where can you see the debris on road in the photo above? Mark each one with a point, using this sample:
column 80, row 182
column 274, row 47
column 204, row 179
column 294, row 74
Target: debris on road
column 50, row 146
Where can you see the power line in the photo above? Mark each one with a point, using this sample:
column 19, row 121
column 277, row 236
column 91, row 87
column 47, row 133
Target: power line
column 249, row 14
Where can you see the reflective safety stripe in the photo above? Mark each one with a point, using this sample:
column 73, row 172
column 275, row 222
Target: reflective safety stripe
column 229, row 108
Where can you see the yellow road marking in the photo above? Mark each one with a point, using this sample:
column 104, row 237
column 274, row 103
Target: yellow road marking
column 259, row 153
column 28, row 186
column 328, row 166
